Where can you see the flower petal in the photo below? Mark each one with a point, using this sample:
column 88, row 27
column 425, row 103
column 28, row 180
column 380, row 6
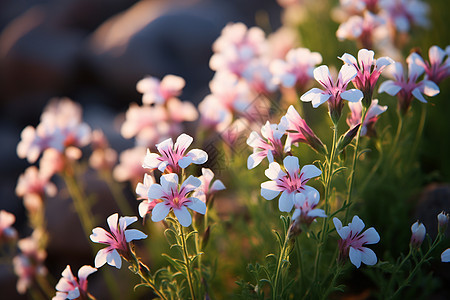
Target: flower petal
column 198, row 156
column 217, row 186
column 255, row 159
column 100, row 258
column 416, row 93
column 197, row 205
column 169, row 182
column 310, row 171
column 274, row 171
column 371, row 236
column 151, row 160
column 389, row 87
column 100, row 235
column 352, row 95
column 349, row 59
column 85, row 271
column 269, row 190
column 286, row 201
column 134, row 234
column 342, row 231
column 124, row 222
column 355, row 256
column 160, row 211
column 183, row 216
column 113, row 221
column 445, row 256
column 113, row 259
column 155, row 191
column 183, row 142
column 357, row 225
column 191, row 183
column 316, row 96
column 429, row 88
column 291, row 164
column 347, row 73
column 368, row 256
column 322, row 75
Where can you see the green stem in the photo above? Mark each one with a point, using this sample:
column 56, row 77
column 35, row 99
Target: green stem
column 337, row 273
column 300, row 262
column 420, row 128
column 397, row 137
column 187, row 262
column 43, row 283
column 281, row 258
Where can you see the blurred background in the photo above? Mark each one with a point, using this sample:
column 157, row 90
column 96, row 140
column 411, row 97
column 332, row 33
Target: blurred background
column 94, row 52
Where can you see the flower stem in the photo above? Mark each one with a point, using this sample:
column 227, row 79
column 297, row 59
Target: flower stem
column 397, row 136
column 187, row 262
column 281, row 259
column 300, row 262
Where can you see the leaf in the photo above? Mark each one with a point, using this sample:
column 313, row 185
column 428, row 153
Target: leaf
column 139, row 285
column 176, row 263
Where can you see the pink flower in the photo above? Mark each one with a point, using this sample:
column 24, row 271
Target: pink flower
column 155, row 91
column 117, row 240
column 130, row 166
column 405, row 13
column 299, row 132
column 269, row 145
column 214, row 114
column 172, row 157
column 180, row 111
column 418, row 234
column 258, row 76
column 208, row 187
column 361, row 28
column 69, row 287
column 7, row 232
column 288, row 184
column 305, row 211
column 297, row 70
column 146, row 206
column 373, row 112
column 368, row 71
column 334, row 92
column 175, row 198
column 445, row 256
column 436, row 69
column 353, row 242
column 406, row 89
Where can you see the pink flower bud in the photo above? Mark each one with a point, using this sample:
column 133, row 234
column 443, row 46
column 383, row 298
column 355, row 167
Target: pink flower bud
column 418, row 234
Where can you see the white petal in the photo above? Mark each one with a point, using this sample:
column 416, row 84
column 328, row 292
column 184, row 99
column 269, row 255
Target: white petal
column 100, row 258
column 415, row 70
column 134, row 234
column 317, row 213
column 291, row 164
column 217, row 186
column 183, row 142
column 208, row 175
column 151, row 160
column 389, row 87
column 322, row 75
column 155, row 191
column 355, row 257
column 383, row 62
column 436, row 55
column 85, row 271
column 296, row 214
column 310, row 171
column 342, row 231
column 162, row 166
column 197, row 205
column 113, row 259
column 165, row 146
column 316, row 96
column 352, row 95
column 73, row 294
column 191, row 183
column 169, row 182
column 368, row 256
column 269, row 190
column 357, row 225
column 124, row 222
column 347, row 73
column 371, row 236
column 198, row 156
column 99, row 235
column 445, row 256
column 286, row 201
column 349, row 59
column 429, row 88
column 160, row 211
column 255, row 159
column 365, row 58
column 184, row 162
column 183, row 216
column 416, row 93
column 299, row 200
column 113, row 221
column 274, row 171
column 254, row 140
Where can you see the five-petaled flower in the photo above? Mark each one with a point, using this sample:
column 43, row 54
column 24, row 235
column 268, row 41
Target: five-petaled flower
column 368, row 71
column 289, row 183
column 146, row 206
column 436, row 69
column 175, row 198
column 353, row 242
column 371, row 118
column 69, row 287
column 172, row 157
column 406, row 89
column 208, row 187
column 117, row 240
column 334, row 91
column 305, row 207
column 156, row 91
column 269, row 145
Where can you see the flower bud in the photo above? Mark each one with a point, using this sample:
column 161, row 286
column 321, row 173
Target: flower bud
column 418, row 234
column 442, row 222
column 347, row 138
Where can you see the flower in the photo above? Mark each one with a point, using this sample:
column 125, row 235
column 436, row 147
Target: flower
column 130, row 166
column 175, row 198
column 156, row 91
column 405, row 89
column 298, row 131
column 68, row 287
column 368, row 71
column 371, row 118
column 436, row 69
column 172, row 156
column 305, row 211
column 117, row 240
column 7, row 232
column 442, row 221
column 290, row 183
column 353, row 241
column 418, row 234
column 207, row 189
column 405, row 13
column 147, row 205
column 297, row 69
column 334, row 92
column 269, row 146
column 445, row 256
column 258, row 76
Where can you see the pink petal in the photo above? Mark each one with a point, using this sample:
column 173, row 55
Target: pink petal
column 165, row 146
column 365, row 59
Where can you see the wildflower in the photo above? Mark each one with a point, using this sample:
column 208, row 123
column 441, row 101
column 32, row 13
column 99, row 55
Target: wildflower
column 418, row 234
column 297, row 70
column 288, row 184
column 305, row 211
column 334, row 92
column 269, row 145
column 368, row 71
column 445, row 256
column 156, row 91
column 298, row 131
column 405, row 13
column 406, row 89
column 147, row 205
column 214, row 114
column 258, row 76
column 208, row 187
column 117, row 240
column 353, row 242
column 7, row 232
column 371, row 118
column 436, row 69
column 69, row 287
column 172, row 157
column 175, row 198
column 442, row 221
column 130, row 166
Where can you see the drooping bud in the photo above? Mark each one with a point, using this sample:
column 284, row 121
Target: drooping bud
column 418, row 234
